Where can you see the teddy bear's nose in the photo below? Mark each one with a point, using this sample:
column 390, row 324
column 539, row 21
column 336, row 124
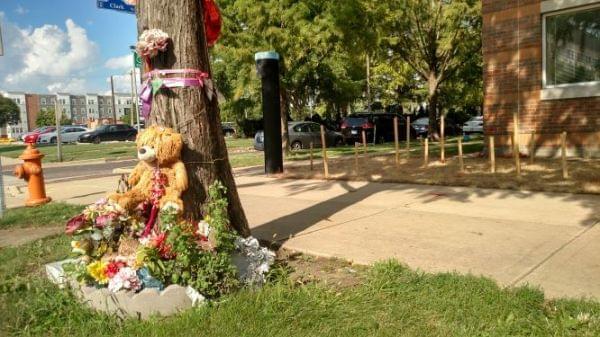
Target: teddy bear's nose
column 142, row 151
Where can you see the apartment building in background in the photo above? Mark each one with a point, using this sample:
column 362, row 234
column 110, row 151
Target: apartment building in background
column 17, row 130
column 542, row 67
column 81, row 109
column 79, row 113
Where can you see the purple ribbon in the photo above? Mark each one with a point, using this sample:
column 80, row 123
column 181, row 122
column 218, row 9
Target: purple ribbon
column 146, row 95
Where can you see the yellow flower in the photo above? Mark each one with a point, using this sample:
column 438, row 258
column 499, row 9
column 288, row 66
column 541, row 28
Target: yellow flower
column 97, row 270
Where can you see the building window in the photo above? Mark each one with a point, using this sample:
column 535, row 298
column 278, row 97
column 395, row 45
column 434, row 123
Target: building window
column 572, row 47
column 571, row 52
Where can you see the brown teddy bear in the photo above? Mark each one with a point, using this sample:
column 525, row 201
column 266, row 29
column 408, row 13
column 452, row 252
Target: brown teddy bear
column 160, row 176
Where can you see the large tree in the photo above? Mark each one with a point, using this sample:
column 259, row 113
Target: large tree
column 318, row 44
column 433, row 37
column 9, row 111
column 191, row 110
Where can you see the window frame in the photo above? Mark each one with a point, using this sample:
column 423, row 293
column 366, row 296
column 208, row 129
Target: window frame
column 566, row 90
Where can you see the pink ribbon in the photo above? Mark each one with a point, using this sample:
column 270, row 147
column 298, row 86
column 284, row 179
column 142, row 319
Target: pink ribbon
column 196, row 80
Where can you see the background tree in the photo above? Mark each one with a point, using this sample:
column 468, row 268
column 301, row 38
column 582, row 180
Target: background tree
column 48, row 118
column 433, row 37
column 317, row 42
column 190, row 110
column 9, row 111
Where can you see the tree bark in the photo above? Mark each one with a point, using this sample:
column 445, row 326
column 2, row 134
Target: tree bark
column 189, row 110
column 432, row 100
column 285, row 137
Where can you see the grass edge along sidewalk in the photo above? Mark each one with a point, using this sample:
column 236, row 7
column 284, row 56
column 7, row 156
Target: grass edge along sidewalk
column 390, row 300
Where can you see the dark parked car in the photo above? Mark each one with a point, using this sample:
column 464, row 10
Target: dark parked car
column 228, row 129
column 421, row 127
column 378, row 127
column 302, row 134
column 113, row 132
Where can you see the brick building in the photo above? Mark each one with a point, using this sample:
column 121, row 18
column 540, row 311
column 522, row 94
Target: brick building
column 542, row 66
column 32, row 103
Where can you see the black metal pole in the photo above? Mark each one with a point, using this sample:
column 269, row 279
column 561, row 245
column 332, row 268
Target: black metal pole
column 267, row 65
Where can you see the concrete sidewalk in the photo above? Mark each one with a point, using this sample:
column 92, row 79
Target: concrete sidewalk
column 545, row 239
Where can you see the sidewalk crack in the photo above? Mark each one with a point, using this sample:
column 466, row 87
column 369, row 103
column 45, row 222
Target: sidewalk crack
column 551, row 255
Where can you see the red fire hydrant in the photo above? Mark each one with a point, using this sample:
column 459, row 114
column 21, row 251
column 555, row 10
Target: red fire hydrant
column 31, row 171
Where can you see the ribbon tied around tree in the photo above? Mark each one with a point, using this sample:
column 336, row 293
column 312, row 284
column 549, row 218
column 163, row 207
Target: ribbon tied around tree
column 155, row 80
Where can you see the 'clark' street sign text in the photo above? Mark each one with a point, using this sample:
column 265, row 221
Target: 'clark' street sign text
column 118, row 5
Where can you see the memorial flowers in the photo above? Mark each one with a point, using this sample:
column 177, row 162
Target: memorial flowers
column 112, row 250
column 151, row 42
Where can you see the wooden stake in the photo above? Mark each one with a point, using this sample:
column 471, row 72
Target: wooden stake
column 532, row 148
column 364, row 139
column 324, row 146
column 563, row 148
column 426, row 153
column 442, row 140
column 492, row 151
column 460, row 156
column 407, row 136
column 396, row 141
column 356, row 157
column 516, row 147
column 516, row 154
column 311, row 156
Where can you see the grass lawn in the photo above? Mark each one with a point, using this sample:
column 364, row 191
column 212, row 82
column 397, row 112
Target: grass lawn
column 52, row 214
column 115, row 150
column 389, row 300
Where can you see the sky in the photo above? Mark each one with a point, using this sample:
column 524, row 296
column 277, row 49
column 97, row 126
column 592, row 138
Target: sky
column 64, row 46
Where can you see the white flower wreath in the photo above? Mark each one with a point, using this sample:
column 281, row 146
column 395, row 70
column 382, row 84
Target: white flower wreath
column 151, row 42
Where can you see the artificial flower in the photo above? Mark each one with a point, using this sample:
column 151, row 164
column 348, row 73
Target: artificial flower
column 97, row 270
column 151, row 42
column 125, row 279
column 76, row 223
column 80, row 247
column 113, row 267
column 204, row 230
column 105, row 220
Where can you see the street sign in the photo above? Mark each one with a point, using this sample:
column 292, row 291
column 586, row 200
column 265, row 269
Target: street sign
column 118, row 5
column 137, row 60
column 1, row 45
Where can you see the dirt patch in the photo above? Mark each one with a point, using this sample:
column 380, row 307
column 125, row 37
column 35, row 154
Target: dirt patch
column 305, row 269
column 542, row 175
column 18, row 236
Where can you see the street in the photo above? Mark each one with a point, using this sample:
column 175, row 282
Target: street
column 70, row 172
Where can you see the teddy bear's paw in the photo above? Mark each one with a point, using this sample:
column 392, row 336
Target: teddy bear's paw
column 171, row 205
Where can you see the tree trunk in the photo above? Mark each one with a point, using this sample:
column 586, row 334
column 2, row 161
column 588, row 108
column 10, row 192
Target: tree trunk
column 432, row 100
column 285, row 137
column 189, row 110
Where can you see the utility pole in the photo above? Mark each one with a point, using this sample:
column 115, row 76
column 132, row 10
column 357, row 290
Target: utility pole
column 114, row 106
column 1, row 44
column 368, row 83
column 58, row 116
column 131, row 116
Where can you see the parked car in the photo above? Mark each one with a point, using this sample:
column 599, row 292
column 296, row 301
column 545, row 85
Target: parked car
column 378, row 127
column 32, row 136
column 421, row 127
column 473, row 125
column 68, row 134
column 111, row 132
column 302, row 134
column 228, row 129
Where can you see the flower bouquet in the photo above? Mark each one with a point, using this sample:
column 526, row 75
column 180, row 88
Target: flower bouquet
column 112, row 251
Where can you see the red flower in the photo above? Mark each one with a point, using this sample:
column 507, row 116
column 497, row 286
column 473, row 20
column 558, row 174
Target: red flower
column 164, row 249
column 113, row 268
column 76, row 223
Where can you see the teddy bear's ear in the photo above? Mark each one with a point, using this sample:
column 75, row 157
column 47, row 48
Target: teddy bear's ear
column 168, row 147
